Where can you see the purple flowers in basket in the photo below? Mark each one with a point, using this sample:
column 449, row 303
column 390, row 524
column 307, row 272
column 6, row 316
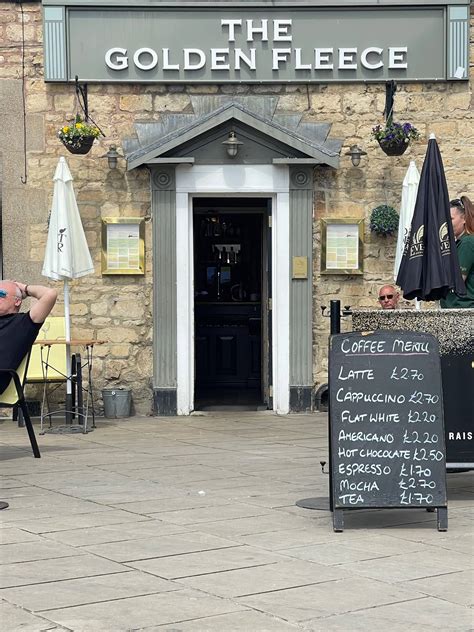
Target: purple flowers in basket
column 395, row 133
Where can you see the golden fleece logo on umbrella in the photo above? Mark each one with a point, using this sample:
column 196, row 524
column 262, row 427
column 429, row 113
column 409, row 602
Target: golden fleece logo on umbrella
column 444, row 243
column 417, row 247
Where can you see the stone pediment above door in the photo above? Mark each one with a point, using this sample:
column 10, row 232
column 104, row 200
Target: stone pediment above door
column 269, row 136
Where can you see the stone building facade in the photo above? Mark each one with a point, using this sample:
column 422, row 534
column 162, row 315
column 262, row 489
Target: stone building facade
column 119, row 309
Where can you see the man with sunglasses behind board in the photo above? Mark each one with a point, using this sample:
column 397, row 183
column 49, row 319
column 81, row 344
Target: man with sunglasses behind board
column 388, row 297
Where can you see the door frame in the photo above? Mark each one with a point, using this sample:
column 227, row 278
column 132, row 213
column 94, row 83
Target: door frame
column 267, row 297
column 267, row 181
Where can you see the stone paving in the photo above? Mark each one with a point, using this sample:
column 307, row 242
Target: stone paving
column 190, row 524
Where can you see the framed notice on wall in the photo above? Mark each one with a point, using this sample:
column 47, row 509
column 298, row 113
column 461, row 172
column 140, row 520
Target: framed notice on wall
column 123, row 245
column 342, row 245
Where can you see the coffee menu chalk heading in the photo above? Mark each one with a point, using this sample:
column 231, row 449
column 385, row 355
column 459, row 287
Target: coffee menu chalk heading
column 386, row 418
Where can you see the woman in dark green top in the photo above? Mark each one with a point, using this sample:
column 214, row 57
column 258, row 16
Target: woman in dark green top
column 462, row 217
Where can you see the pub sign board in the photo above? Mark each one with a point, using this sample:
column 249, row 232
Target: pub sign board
column 253, row 45
column 386, row 423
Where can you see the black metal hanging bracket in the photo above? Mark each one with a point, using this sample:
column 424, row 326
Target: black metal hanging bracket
column 390, row 89
column 81, row 95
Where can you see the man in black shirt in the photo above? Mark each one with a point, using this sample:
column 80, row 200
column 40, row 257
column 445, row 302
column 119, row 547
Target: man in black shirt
column 18, row 331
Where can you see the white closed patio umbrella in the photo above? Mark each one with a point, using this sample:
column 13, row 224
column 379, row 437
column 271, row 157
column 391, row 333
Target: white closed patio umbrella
column 407, row 206
column 67, row 253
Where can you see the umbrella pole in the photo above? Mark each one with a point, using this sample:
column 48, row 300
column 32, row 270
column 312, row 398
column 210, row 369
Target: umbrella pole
column 67, row 318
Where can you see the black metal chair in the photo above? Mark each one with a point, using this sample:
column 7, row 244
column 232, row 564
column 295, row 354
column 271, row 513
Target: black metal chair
column 13, row 396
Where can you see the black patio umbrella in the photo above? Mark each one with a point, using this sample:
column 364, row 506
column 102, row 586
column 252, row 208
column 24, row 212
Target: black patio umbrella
column 429, row 268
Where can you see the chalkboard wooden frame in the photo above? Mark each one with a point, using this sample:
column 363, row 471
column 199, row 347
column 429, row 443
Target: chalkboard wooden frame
column 386, row 423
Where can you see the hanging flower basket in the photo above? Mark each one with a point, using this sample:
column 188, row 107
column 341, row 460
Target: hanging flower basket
column 78, row 137
column 394, row 149
column 394, row 138
column 82, row 146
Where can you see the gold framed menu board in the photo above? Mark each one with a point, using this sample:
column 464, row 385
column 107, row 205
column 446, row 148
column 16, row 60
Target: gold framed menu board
column 342, row 246
column 123, row 245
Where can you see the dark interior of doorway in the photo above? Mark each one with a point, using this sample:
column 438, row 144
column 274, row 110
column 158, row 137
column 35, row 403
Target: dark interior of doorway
column 228, row 234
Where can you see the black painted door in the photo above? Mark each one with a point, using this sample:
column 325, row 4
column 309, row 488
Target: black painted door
column 230, row 279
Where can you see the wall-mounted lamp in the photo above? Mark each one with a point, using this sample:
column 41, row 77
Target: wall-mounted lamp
column 112, row 157
column 355, row 152
column 232, row 145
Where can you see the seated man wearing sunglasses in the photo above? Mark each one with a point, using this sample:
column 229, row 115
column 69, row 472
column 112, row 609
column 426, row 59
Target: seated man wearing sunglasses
column 388, row 297
column 18, row 331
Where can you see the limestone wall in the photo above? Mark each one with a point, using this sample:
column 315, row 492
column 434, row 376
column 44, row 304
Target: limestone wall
column 119, row 308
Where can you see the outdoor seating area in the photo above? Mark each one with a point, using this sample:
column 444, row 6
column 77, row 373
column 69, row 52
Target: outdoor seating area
column 79, row 401
column 48, row 367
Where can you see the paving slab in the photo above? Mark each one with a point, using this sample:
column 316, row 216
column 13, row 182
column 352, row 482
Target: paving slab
column 242, row 491
column 14, row 618
column 207, row 562
column 75, row 478
column 38, row 572
column 134, row 465
column 192, row 500
column 133, row 613
column 11, row 535
column 61, row 506
column 176, row 544
column 46, row 499
column 271, row 578
column 459, row 527
column 273, row 500
column 342, row 551
column 105, row 516
column 145, row 528
column 287, row 539
column 12, row 465
column 12, row 484
column 199, row 472
column 200, row 515
column 247, row 620
column 458, row 588
column 459, row 542
column 86, row 590
column 130, row 491
column 20, row 490
column 304, row 603
column 30, row 551
column 265, row 523
column 416, row 565
column 423, row 615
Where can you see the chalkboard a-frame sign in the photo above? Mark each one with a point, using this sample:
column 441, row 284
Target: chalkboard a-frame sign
column 386, row 423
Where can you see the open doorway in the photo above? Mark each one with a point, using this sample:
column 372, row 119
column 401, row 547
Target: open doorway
column 231, row 303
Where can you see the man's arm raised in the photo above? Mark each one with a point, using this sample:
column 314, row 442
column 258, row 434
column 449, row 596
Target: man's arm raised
column 46, row 299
